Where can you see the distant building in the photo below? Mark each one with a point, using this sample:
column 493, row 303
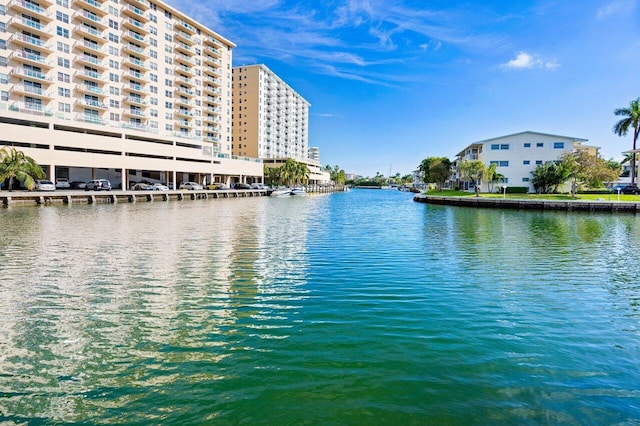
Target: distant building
column 517, row 155
column 314, row 154
column 270, row 119
column 124, row 90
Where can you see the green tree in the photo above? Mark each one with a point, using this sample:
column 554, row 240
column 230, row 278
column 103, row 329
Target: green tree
column 493, row 176
column 15, row 164
column 630, row 120
column 549, row 176
column 435, row 170
column 473, row 171
column 588, row 170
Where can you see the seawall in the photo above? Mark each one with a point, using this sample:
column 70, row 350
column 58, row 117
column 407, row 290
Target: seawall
column 551, row 205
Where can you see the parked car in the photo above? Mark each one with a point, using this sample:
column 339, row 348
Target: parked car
column 140, row 187
column 78, row 184
column 259, row 186
column 158, row 187
column 98, row 185
column 45, row 185
column 63, row 183
column 217, row 186
column 629, row 189
column 191, row 186
column 240, row 185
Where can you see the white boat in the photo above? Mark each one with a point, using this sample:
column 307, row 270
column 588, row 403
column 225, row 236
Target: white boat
column 280, row 192
column 299, row 191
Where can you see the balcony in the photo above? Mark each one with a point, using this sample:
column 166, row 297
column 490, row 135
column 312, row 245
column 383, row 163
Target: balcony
column 184, row 91
column 92, row 6
column 88, row 32
column 185, row 60
column 23, row 24
column 90, row 118
column 136, row 50
column 93, row 48
column 141, row 4
column 184, row 69
column 184, row 80
column 90, row 89
column 134, row 24
column 213, row 100
column 213, row 110
column 90, row 76
column 134, row 37
column 217, row 53
column 90, row 18
column 88, row 103
column 30, row 42
column 211, row 119
column 212, row 90
column 134, row 125
column 31, row 108
column 135, row 75
column 212, row 71
column 184, row 37
column 188, row 28
column 184, row 49
column 135, row 88
column 31, row 59
column 134, row 100
column 185, row 123
column 32, row 91
column 138, row 113
column 213, row 42
column 83, row 60
column 135, row 12
column 134, row 62
column 182, row 112
column 32, row 75
column 22, row 6
column 212, row 80
column 210, row 60
column 183, row 101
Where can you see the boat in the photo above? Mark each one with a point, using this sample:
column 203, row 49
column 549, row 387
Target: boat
column 298, row 191
column 280, row 192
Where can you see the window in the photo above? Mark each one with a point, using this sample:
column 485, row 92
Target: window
column 3, row 61
column 154, row 112
column 168, row 37
column 113, row 24
column 168, row 93
column 114, row 91
column 113, row 11
column 62, row 17
column 114, row 77
column 114, row 116
column 62, row 62
column 153, row 89
column 114, row 64
column 3, row 44
column 168, row 82
column 525, row 179
column 168, row 105
column 66, row 78
column 527, row 145
column 153, row 78
column 526, row 162
column 497, row 146
column 63, row 107
column 538, row 162
column 168, row 127
column 4, row 79
column 3, row 27
column 62, row 32
column 153, row 101
column 168, row 116
column 65, row 93
column 63, row 3
column 113, row 103
column 539, row 144
column 63, row 47
column 4, row 95
column 558, row 145
column 113, row 51
column 114, row 38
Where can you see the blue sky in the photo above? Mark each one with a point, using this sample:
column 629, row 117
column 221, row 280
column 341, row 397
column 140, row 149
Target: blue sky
column 393, row 82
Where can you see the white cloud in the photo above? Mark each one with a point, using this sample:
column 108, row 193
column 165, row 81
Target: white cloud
column 523, row 60
column 616, row 7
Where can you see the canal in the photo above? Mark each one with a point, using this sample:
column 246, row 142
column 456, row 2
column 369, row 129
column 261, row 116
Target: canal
column 348, row 308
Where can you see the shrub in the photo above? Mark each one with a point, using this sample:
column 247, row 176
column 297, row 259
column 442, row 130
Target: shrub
column 517, row 189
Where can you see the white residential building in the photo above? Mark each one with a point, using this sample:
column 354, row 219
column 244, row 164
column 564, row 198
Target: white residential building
column 517, row 155
column 270, row 119
column 119, row 89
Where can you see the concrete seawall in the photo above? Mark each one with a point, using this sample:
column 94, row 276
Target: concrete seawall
column 551, row 205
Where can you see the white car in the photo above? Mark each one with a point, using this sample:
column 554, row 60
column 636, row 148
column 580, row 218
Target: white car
column 63, row 183
column 191, row 186
column 157, row 187
column 45, row 185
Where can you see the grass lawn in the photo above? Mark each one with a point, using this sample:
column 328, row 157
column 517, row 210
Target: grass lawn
column 581, row 197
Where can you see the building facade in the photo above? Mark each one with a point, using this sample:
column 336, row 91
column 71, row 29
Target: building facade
column 122, row 90
column 516, row 156
column 270, row 119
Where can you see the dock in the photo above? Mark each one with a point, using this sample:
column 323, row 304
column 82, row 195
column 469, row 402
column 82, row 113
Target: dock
column 70, row 197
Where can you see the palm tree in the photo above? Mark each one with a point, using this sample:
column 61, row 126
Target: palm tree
column 621, row 128
column 474, row 171
column 15, row 164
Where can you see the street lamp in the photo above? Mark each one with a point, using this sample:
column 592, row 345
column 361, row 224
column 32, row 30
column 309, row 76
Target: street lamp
column 504, row 191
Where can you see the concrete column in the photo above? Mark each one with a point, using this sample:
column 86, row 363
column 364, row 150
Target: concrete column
column 124, row 178
column 175, row 184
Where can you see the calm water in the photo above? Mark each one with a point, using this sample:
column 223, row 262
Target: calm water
column 354, row 308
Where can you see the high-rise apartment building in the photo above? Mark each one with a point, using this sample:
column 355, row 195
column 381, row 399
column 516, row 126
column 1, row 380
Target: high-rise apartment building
column 128, row 88
column 270, row 119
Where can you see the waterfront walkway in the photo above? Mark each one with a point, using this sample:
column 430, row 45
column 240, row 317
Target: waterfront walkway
column 498, row 203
